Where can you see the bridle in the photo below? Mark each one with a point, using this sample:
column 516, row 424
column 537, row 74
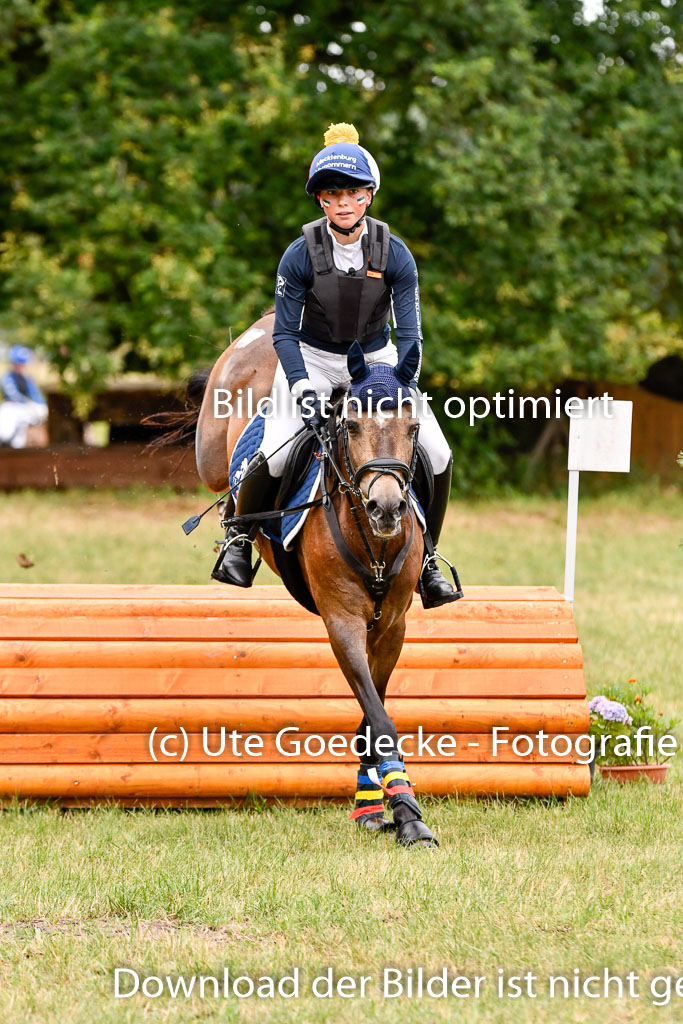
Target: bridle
column 375, row 577
column 385, row 466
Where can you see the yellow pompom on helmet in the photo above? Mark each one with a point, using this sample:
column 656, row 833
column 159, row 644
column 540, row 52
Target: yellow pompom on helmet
column 343, row 163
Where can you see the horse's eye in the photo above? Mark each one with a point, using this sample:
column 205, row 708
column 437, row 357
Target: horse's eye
column 414, row 429
column 352, row 427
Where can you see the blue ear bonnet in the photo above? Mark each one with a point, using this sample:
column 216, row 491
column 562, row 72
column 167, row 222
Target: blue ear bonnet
column 379, row 382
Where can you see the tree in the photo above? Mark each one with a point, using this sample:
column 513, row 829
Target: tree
column 157, row 155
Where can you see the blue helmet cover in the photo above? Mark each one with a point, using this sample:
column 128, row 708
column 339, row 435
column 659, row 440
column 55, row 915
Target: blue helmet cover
column 346, row 159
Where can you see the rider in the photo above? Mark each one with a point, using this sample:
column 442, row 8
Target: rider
column 341, row 280
column 23, row 404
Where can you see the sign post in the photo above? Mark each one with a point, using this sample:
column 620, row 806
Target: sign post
column 599, row 442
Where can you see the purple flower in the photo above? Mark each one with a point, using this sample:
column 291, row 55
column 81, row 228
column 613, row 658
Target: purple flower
column 610, row 710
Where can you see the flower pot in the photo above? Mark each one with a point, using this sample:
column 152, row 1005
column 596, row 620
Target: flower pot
column 631, row 772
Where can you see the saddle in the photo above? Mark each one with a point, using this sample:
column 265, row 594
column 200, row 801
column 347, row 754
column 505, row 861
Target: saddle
column 297, row 468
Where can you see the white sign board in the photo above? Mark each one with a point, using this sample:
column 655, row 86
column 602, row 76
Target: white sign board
column 600, row 437
column 599, row 441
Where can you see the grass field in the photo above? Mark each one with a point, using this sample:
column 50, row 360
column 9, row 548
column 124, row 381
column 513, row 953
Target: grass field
column 517, row 886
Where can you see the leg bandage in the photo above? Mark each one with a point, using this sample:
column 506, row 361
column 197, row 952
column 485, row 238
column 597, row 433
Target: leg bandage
column 369, row 795
column 396, row 784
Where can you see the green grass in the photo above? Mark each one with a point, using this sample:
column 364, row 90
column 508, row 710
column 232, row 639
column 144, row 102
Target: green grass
column 519, row 885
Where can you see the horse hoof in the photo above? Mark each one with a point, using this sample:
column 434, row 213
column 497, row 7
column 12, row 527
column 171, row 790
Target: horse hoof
column 415, row 832
column 376, row 825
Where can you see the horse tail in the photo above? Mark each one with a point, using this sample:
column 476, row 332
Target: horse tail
column 179, row 427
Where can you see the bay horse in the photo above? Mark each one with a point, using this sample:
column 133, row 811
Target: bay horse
column 366, row 646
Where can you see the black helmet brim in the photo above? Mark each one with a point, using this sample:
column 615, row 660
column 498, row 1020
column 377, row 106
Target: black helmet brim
column 334, row 180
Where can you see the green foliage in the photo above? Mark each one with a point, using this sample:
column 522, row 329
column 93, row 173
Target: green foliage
column 155, row 156
column 620, row 744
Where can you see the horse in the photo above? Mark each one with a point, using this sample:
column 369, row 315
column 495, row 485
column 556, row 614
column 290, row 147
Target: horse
column 366, row 627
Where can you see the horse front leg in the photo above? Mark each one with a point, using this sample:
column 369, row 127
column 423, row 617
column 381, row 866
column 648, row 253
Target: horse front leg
column 384, row 652
column 368, row 809
column 384, row 648
column 348, row 641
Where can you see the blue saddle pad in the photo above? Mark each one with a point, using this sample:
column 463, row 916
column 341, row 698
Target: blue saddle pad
column 307, row 491
column 284, row 530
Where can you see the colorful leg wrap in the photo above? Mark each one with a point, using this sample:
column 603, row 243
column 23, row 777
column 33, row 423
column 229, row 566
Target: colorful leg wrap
column 396, row 784
column 369, row 796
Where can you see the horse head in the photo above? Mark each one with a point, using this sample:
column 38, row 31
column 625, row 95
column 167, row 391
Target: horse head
column 379, row 437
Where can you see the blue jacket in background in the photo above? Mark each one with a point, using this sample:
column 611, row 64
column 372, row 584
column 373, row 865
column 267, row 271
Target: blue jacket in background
column 16, row 387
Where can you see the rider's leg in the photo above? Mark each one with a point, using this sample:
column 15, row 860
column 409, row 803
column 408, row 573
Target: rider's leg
column 256, row 493
column 258, row 489
column 433, row 586
column 259, row 485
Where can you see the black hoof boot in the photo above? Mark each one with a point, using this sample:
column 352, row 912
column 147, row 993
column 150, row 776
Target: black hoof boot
column 434, row 588
column 234, row 562
column 415, row 833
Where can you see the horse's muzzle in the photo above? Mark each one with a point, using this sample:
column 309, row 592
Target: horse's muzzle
column 385, row 516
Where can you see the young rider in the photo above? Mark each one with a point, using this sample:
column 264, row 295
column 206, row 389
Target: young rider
column 341, row 280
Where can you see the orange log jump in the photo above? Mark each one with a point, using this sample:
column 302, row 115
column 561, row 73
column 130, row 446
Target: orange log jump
column 87, row 671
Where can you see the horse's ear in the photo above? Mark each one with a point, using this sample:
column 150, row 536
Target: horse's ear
column 405, row 371
column 356, row 364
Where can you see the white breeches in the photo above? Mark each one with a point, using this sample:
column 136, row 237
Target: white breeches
column 16, row 418
column 327, row 370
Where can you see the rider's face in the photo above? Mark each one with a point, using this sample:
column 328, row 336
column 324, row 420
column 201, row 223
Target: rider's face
column 344, row 206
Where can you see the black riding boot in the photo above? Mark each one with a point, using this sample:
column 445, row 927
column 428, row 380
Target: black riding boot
column 433, row 586
column 234, row 562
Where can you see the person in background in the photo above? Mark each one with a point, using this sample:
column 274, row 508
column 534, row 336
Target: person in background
column 23, row 403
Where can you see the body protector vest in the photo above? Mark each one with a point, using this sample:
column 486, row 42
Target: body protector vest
column 343, row 307
column 19, row 382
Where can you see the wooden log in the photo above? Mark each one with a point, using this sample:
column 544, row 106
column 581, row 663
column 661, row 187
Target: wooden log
column 309, row 714
column 214, row 628
column 268, row 607
column 226, row 594
column 285, row 682
column 97, row 654
column 187, row 781
column 133, row 748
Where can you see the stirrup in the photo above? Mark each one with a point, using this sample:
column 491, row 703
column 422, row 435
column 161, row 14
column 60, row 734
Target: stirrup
column 454, row 572
column 227, row 543
column 458, row 593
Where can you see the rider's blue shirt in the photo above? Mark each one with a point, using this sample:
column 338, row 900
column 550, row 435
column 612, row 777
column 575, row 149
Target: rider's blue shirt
column 16, row 387
column 295, row 277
